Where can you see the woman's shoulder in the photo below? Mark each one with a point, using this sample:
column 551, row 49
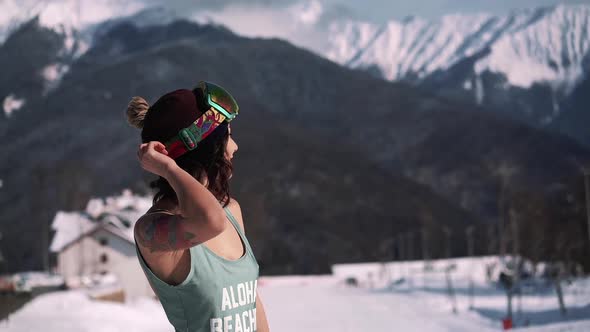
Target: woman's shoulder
column 234, row 207
column 163, row 206
column 233, row 203
column 151, row 215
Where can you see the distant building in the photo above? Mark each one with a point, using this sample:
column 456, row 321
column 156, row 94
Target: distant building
column 95, row 248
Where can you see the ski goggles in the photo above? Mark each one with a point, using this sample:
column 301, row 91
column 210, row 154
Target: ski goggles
column 220, row 106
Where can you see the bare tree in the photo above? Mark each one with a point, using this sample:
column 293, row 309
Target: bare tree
column 505, row 171
column 1, row 256
column 586, row 172
column 587, row 191
column 39, row 191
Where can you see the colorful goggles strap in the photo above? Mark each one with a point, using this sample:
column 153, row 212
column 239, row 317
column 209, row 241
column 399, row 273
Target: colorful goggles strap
column 188, row 138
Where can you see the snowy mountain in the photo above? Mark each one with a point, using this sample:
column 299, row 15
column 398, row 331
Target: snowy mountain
column 542, row 45
column 525, row 63
column 68, row 17
column 70, row 27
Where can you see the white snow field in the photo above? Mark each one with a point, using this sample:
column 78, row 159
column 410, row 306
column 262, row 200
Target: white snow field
column 326, row 303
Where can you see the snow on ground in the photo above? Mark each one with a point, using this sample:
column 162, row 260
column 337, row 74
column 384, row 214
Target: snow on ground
column 311, row 306
column 326, row 303
column 74, row 311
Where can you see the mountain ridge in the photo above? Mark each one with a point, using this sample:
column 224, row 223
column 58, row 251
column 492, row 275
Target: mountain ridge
column 335, row 140
column 454, row 37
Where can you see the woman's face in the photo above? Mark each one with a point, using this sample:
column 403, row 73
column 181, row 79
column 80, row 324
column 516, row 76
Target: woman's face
column 231, row 147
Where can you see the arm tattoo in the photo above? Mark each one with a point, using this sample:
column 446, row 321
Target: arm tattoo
column 165, row 232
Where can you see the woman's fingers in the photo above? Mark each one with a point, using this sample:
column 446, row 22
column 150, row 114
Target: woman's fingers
column 151, row 159
column 143, row 148
column 151, row 149
column 161, row 148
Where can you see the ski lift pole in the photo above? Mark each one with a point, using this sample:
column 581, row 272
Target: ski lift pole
column 587, row 190
column 470, row 249
column 410, row 253
column 450, row 289
column 402, row 255
column 506, row 280
column 449, row 267
column 557, row 274
column 424, row 255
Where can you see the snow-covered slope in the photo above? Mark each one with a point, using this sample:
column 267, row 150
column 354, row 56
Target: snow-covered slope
column 553, row 48
column 543, row 45
column 79, row 20
column 77, row 23
column 324, row 303
column 65, row 16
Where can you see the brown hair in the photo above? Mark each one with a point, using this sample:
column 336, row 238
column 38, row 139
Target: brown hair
column 207, row 162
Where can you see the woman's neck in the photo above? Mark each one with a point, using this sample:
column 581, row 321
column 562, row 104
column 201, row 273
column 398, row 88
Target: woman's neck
column 171, row 205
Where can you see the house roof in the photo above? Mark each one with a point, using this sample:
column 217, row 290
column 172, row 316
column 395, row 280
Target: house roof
column 116, row 215
column 69, row 226
column 106, row 227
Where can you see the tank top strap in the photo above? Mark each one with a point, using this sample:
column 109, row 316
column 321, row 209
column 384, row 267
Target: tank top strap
column 238, row 227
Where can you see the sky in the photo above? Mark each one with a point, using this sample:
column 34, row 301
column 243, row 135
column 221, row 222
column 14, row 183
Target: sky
column 380, row 11
column 298, row 20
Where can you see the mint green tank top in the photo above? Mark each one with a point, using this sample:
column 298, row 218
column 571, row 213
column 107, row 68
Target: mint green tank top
column 218, row 295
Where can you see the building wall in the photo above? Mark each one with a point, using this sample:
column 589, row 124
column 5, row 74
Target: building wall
column 88, row 256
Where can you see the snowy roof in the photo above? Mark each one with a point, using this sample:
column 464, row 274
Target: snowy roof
column 116, row 214
column 68, row 227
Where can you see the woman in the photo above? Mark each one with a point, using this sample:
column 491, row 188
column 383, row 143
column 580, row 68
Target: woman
column 191, row 244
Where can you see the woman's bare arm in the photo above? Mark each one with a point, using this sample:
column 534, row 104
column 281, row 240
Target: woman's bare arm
column 196, row 203
column 201, row 216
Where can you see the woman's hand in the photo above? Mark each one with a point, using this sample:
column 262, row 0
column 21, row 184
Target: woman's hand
column 153, row 157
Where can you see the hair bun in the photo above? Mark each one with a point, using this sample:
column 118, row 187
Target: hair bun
column 136, row 111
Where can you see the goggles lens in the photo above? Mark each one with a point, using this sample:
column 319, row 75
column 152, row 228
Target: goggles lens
column 218, row 98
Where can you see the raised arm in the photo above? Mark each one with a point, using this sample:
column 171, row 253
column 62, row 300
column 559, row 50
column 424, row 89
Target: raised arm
column 201, row 216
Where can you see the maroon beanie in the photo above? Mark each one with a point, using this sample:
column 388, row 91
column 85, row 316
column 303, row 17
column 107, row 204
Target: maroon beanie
column 169, row 114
